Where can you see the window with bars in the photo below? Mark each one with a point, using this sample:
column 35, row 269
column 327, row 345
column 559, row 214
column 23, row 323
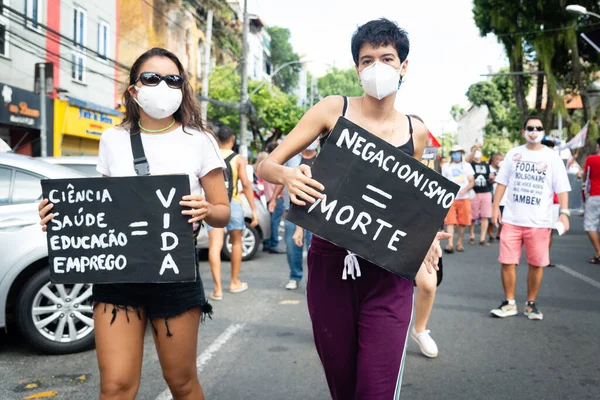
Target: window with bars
column 4, row 45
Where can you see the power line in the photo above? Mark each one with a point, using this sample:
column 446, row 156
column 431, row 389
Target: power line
column 12, row 33
column 538, row 31
column 29, row 51
column 48, row 29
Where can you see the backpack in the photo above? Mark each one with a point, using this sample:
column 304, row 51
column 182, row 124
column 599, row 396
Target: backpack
column 229, row 184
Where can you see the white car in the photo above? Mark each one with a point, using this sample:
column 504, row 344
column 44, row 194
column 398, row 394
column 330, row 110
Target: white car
column 57, row 318
column 252, row 237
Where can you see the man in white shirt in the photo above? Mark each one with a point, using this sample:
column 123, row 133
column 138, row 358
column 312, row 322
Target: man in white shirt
column 461, row 173
column 529, row 176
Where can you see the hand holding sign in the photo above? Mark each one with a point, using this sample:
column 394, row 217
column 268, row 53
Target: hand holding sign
column 435, row 252
column 44, row 208
column 298, row 182
column 200, row 209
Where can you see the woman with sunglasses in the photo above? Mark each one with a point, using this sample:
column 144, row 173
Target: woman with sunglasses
column 161, row 105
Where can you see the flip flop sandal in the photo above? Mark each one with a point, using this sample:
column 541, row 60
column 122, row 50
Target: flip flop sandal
column 460, row 249
column 594, row 260
column 471, row 240
column 449, row 250
column 243, row 287
column 215, row 298
column 484, row 243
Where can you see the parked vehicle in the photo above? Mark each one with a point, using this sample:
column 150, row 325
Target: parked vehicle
column 252, row 237
column 54, row 318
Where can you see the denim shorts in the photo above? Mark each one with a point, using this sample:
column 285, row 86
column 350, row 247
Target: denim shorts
column 236, row 221
column 156, row 300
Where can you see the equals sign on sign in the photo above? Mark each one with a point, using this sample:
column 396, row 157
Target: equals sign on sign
column 140, row 224
column 378, row 191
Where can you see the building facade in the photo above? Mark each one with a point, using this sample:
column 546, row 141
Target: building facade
column 259, row 50
column 78, row 40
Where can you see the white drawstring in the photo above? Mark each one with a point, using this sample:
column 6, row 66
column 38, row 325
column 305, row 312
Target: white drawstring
column 351, row 266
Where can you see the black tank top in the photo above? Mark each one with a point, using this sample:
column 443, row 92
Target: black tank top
column 408, row 147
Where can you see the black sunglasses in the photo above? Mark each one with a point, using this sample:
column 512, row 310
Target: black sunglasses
column 536, row 128
column 153, row 79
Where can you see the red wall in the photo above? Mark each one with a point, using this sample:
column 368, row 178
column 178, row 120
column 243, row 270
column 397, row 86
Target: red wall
column 53, row 40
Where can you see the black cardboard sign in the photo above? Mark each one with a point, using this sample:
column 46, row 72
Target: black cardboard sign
column 120, row 230
column 379, row 203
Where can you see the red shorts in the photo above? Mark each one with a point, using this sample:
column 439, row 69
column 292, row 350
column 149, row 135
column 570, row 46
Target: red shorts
column 459, row 213
column 536, row 241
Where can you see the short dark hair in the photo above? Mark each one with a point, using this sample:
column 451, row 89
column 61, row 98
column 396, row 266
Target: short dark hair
column 380, row 32
column 531, row 117
column 271, row 146
column 224, row 133
column 548, row 143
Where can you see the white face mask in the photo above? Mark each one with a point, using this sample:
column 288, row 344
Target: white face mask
column 477, row 155
column 534, row 136
column 159, row 101
column 380, row 80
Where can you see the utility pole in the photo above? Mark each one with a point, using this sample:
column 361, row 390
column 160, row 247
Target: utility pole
column 43, row 137
column 206, row 64
column 244, row 89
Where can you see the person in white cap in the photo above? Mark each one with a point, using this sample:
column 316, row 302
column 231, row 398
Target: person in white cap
column 461, row 173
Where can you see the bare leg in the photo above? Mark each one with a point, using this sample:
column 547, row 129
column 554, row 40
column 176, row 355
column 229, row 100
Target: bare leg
column 119, row 347
column 215, row 245
column 450, row 230
column 484, row 228
column 236, row 258
column 461, row 235
column 490, row 230
column 534, row 281
column 509, row 280
column 472, row 230
column 595, row 239
column 426, row 288
column 177, row 354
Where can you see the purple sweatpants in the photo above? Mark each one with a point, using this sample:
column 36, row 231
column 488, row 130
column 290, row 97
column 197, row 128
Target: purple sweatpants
column 360, row 325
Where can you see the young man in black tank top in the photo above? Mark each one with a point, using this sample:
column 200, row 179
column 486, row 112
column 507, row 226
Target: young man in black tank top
column 360, row 360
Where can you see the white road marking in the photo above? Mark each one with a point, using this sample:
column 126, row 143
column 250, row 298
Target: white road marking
column 207, row 354
column 577, row 275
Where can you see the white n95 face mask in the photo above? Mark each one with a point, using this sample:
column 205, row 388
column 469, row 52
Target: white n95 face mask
column 158, row 101
column 380, row 80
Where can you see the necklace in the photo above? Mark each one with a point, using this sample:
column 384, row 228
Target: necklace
column 362, row 116
column 156, row 130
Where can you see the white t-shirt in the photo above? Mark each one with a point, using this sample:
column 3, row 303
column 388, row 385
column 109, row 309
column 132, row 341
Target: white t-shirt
column 495, row 185
column 459, row 173
column 192, row 152
column 531, row 178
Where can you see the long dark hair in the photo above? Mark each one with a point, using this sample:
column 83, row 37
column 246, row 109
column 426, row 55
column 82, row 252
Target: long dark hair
column 188, row 114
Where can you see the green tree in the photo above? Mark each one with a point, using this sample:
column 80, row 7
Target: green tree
column 340, row 82
column 281, row 53
column 272, row 113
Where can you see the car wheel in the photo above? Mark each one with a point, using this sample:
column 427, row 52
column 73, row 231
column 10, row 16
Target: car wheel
column 250, row 244
column 55, row 318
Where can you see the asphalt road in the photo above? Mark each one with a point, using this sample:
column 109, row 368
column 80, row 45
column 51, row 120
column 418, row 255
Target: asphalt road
column 259, row 344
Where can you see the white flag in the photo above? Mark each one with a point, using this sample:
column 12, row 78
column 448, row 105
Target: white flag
column 578, row 140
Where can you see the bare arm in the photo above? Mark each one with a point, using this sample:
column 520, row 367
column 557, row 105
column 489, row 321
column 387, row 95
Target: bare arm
column 500, row 190
column 216, row 201
column 301, row 187
column 419, row 139
column 316, row 121
column 247, row 185
column 243, row 175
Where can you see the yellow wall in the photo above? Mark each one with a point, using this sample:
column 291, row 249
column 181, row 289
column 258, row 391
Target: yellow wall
column 77, row 130
column 143, row 26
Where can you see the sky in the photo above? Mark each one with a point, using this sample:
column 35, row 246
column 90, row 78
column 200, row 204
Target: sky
column 447, row 54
